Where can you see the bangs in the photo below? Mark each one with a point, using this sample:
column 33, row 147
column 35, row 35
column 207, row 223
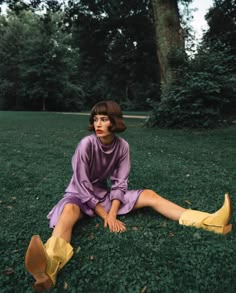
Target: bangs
column 99, row 109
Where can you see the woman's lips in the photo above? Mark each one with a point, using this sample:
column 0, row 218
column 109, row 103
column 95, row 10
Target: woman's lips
column 99, row 131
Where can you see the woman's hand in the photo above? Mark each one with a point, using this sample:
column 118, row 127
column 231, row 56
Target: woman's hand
column 114, row 224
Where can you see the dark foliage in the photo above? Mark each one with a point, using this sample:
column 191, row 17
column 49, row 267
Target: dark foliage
column 221, row 19
column 38, row 65
column 116, row 59
column 73, row 55
column 203, row 94
column 117, row 51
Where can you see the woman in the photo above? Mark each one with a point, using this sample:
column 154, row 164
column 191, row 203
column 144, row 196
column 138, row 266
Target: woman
column 98, row 157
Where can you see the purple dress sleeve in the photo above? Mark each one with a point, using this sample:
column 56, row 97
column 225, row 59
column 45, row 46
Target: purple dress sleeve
column 120, row 176
column 80, row 179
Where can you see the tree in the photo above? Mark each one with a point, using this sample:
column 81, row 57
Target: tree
column 39, row 66
column 11, row 46
column 117, row 48
column 46, row 68
column 221, row 19
column 221, row 36
column 169, row 36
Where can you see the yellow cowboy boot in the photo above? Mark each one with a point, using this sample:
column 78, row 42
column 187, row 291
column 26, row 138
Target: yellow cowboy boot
column 217, row 222
column 43, row 262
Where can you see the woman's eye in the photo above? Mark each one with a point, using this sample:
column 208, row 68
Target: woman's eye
column 103, row 119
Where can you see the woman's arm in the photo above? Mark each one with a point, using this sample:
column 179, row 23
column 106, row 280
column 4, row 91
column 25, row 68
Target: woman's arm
column 100, row 211
column 114, row 224
column 114, row 207
column 119, row 178
column 80, row 182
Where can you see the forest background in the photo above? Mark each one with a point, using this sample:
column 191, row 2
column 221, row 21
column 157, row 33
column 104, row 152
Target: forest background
column 67, row 55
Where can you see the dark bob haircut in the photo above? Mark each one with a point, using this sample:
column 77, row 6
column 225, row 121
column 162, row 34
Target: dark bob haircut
column 113, row 111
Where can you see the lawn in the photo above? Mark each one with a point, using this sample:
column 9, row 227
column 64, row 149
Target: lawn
column 192, row 168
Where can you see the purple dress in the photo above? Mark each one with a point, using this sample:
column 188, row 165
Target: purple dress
column 93, row 163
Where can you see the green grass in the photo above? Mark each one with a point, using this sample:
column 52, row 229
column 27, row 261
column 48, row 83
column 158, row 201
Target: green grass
column 193, row 169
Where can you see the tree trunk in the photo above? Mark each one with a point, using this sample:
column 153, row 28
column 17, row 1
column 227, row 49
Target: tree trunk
column 169, row 35
column 44, row 104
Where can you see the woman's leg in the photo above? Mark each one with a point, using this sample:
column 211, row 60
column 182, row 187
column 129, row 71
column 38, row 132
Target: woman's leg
column 149, row 198
column 217, row 222
column 44, row 261
column 69, row 216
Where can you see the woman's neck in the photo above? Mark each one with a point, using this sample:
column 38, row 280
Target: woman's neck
column 106, row 140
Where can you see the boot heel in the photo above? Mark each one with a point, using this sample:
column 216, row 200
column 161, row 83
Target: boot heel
column 42, row 283
column 219, row 229
column 226, row 229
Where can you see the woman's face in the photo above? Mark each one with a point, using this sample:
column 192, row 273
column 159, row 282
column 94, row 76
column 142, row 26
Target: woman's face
column 102, row 124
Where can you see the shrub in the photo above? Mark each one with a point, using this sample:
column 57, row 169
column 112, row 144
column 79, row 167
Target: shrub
column 202, row 95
